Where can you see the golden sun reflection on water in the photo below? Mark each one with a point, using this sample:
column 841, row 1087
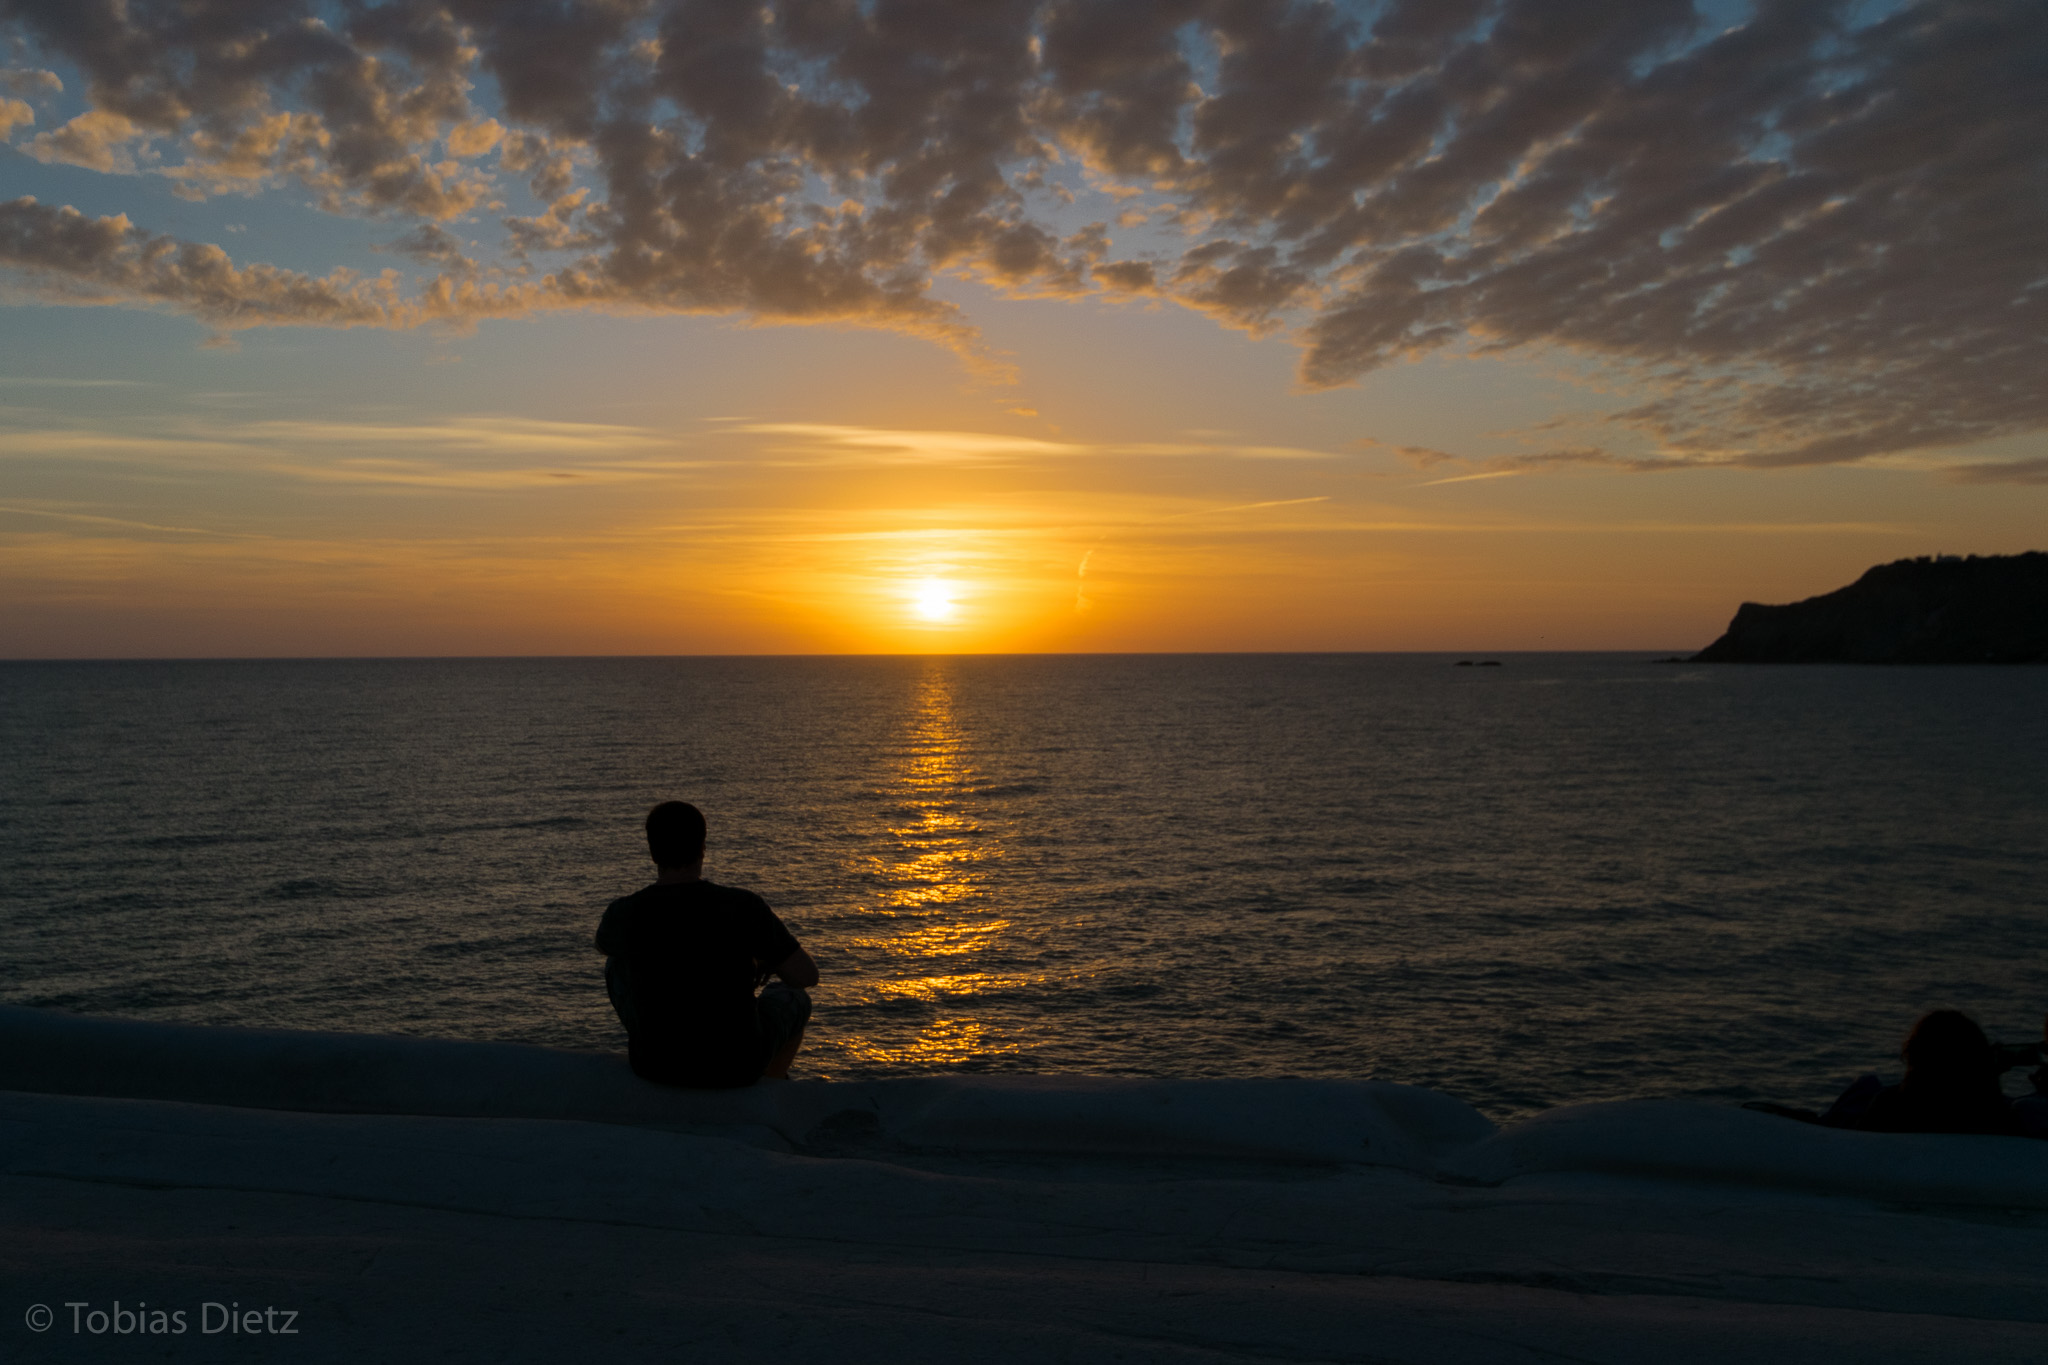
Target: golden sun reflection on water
column 932, row 875
column 939, row 845
column 938, row 940
column 934, row 987
column 945, row 1042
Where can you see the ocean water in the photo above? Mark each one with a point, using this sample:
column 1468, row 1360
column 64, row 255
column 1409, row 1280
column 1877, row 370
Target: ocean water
column 1569, row 878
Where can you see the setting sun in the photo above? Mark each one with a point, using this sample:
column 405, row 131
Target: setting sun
column 933, row 601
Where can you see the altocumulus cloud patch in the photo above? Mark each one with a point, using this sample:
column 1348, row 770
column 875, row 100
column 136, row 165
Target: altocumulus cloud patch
column 1812, row 234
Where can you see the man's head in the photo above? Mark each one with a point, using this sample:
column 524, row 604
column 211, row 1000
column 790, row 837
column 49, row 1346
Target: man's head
column 675, row 834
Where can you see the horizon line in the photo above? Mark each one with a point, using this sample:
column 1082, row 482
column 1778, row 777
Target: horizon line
column 898, row 654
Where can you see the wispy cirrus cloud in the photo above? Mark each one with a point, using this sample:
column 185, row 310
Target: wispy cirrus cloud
column 502, row 435
column 499, row 452
column 58, row 382
column 98, row 521
column 1814, row 236
column 461, row 453
column 810, row 442
column 1471, row 478
column 1998, row 471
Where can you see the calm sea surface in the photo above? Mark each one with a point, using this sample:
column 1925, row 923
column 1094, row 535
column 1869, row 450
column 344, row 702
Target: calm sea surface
column 1573, row 877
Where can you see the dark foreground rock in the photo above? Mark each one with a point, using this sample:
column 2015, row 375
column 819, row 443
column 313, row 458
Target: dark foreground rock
column 1946, row 610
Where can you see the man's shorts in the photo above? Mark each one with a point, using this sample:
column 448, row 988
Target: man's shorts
column 783, row 1010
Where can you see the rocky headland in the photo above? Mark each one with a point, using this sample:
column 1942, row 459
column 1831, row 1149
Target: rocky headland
column 1944, row 609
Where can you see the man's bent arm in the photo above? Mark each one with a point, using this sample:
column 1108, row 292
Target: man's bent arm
column 798, row 970
column 607, row 937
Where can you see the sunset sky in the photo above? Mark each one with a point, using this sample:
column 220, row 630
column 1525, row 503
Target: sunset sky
column 818, row 326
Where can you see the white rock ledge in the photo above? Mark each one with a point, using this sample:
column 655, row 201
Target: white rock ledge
column 1370, row 1123
column 414, row 1198
column 1345, row 1122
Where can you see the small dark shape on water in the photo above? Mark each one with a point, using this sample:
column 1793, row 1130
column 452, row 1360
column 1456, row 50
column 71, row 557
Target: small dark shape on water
column 1944, row 609
column 1462, row 663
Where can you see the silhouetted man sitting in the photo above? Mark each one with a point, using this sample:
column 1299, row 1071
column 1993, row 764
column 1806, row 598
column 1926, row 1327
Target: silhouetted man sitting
column 683, row 958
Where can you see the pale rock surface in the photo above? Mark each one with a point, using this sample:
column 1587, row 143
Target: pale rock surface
column 413, row 1199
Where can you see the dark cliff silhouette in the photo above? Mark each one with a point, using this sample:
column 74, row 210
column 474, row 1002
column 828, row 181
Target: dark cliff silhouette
column 1943, row 610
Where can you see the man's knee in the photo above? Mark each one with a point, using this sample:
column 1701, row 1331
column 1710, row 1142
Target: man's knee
column 789, row 1003
column 784, row 1011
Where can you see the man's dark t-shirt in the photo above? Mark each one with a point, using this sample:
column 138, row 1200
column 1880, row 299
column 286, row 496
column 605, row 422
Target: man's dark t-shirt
column 689, row 954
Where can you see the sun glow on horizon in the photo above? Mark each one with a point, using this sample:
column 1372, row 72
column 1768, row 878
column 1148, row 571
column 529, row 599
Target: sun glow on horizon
column 932, row 601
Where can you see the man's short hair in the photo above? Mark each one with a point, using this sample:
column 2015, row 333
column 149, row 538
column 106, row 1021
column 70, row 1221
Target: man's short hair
column 675, row 834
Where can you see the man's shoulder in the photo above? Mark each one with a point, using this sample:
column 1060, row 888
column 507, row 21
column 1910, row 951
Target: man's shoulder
column 667, row 895
column 733, row 895
column 633, row 900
